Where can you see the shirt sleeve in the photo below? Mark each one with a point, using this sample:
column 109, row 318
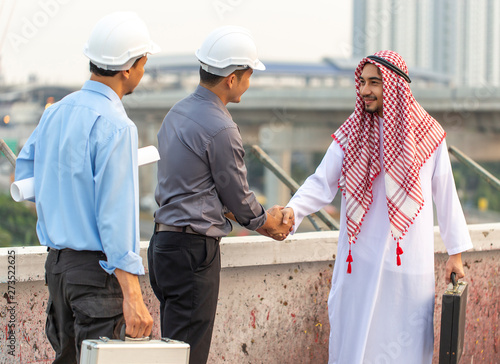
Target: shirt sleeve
column 320, row 188
column 25, row 160
column 451, row 219
column 117, row 201
column 225, row 155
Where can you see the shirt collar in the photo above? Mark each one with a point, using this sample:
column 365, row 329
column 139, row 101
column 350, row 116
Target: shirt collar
column 104, row 90
column 207, row 94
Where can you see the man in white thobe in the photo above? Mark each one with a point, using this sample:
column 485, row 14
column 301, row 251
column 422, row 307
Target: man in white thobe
column 390, row 161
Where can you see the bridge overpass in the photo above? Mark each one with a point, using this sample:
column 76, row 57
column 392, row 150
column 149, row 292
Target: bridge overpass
column 471, row 117
column 301, row 119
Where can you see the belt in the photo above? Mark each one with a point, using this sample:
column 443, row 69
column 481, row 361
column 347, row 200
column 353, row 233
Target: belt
column 176, row 229
column 75, row 255
column 68, row 250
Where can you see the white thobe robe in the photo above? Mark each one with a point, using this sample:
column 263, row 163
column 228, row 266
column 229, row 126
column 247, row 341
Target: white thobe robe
column 381, row 312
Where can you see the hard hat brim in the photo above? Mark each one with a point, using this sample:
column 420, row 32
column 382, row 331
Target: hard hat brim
column 112, row 66
column 224, row 72
column 155, row 48
column 259, row 66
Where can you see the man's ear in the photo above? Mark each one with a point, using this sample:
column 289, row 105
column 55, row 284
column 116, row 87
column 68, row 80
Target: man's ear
column 126, row 74
column 231, row 80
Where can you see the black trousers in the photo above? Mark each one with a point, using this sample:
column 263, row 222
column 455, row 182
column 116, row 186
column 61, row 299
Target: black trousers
column 85, row 302
column 184, row 271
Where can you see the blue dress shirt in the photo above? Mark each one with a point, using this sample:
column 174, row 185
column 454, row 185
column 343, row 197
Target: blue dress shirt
column 83, row 155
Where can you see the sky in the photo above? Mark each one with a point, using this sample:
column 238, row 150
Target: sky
column 46, row 37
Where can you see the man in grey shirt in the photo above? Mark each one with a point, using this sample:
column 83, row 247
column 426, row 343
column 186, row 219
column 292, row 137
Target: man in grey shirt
column 202, row 181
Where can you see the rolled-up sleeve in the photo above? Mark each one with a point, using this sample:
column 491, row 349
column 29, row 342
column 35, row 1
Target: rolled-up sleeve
column 117, row 196
column 225, row 155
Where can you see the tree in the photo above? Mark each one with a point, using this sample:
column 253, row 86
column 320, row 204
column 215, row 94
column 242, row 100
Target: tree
column 17, row 223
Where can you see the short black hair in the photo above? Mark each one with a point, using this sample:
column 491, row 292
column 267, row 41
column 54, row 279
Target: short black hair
column 212, row 80
column 101, row 72
column 107, row 73
column 209, row 79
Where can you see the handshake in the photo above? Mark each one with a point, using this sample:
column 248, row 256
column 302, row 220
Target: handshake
column 279, row 223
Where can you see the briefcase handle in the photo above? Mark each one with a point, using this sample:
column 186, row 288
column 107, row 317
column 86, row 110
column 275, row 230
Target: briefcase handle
column 124, row 337
column 454, row 279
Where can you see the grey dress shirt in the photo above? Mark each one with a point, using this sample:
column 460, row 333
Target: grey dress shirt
column 201, row 173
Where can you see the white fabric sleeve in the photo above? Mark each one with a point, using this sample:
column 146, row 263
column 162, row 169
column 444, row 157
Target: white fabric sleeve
column 451, row 219
column 320, row 188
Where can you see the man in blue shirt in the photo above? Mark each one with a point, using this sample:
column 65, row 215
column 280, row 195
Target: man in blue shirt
column 83, row 157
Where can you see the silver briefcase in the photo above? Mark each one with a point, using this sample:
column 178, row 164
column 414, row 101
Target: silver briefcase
column 107, row 351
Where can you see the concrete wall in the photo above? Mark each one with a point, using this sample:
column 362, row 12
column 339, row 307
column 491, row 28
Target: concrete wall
column 273, row 300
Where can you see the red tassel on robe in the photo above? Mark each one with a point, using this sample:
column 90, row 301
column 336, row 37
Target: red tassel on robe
column 399, row 251
column 349, row 260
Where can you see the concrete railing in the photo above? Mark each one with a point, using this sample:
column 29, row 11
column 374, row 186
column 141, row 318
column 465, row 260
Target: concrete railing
column 272, row 303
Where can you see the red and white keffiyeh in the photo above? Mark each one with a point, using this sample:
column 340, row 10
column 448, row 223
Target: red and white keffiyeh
column 411, row 135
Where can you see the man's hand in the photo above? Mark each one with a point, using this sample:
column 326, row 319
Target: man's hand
column 454, row 264
column 274, row 226
column 137, row 318
column 276, row 212
column 288, row 215
column 264, row 232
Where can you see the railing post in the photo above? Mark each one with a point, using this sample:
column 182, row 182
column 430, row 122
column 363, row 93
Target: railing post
column 11, row 157
column 290, row 183
column 483, row 173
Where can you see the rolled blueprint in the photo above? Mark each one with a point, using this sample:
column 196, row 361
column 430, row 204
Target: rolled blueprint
column 25, row 189
column 147, row 155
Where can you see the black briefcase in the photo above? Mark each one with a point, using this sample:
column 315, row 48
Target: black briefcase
column 453, row 323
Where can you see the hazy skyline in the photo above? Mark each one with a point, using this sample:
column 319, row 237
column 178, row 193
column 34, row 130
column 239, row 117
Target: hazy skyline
column 46, row 37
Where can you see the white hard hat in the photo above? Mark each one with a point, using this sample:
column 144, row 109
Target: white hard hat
column 228, row 49
column 118, row 40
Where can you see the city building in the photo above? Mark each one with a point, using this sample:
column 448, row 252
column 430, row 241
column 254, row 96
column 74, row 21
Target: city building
column 458, row 38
